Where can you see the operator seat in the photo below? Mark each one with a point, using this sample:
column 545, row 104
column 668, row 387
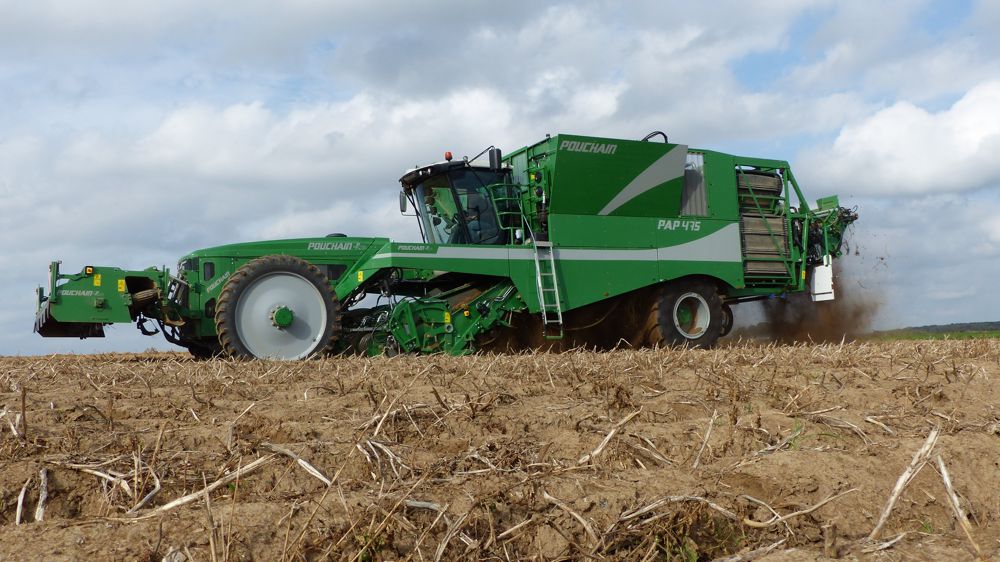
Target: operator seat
column 482, row 221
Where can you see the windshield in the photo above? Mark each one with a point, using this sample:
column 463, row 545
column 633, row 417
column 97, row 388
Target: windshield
column 456, row 208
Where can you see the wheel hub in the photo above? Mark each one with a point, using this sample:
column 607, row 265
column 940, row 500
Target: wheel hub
column 691, row 315
column 282, row 317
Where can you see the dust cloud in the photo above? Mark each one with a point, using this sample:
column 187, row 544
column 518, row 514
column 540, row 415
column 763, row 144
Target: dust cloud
column 796, row 318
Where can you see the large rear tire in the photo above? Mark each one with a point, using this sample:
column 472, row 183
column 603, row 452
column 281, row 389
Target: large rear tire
column 688, row 313
column 277, row 307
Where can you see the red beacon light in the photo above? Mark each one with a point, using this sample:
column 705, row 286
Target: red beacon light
column 448, row 156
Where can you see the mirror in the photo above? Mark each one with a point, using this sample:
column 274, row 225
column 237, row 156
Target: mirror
column 402, row 201
column 496, row 160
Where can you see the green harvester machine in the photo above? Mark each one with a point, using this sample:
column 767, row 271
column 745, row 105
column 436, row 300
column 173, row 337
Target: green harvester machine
column 569, row 241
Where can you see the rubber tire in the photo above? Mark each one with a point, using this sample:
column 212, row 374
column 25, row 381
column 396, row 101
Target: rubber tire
column 667, row 333
column 727, row 320
column 225, row 308
column 142, row 298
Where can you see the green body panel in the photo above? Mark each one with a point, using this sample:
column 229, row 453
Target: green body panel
column 79, row 305
column 618, row 216
column 453, row 258
column 586, row 173
column 335, row 256
column 100, row 296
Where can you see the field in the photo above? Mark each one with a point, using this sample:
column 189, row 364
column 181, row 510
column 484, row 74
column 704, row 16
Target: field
column 920, row 335
column 966, row 330
column 658, row 454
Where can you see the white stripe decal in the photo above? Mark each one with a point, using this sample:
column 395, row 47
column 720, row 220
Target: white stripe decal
column 445, row 252
column 720, row 246
column 668, row 167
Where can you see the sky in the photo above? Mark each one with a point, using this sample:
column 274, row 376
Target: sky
column 134, row 132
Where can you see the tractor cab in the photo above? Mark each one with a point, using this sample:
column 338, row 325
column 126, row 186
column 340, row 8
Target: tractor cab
column 458, row 203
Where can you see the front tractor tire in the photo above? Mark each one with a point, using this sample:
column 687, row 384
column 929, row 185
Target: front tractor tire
column 688, row 313
column 277, row 307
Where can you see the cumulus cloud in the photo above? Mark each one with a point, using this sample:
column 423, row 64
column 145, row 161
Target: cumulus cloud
column 852, row 37
column 205, row 172
column 348, row 218
column 905, row 149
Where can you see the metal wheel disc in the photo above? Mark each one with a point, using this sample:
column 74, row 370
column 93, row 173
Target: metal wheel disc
column 691, row 315
column 255, row 316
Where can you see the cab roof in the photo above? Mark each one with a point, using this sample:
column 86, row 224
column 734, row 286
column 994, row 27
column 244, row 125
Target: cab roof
column 416, row 175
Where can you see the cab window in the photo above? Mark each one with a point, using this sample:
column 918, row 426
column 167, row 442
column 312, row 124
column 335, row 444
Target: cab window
column 458, row 209
column 474, row 198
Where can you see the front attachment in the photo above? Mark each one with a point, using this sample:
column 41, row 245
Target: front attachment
column 79, row 305
column 48, row 327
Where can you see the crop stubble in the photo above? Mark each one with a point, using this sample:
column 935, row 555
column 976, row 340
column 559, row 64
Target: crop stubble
column 627, row 454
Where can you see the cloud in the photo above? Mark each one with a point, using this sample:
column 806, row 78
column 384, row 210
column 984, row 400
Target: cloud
column 851, row 37
column 933, row 72
column 991, row 227
column 931, row 258
column 905, row 149
column 348, row 218
column 203, row 173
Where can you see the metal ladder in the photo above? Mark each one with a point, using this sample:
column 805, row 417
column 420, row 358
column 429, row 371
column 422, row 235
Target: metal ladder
column 548, row 290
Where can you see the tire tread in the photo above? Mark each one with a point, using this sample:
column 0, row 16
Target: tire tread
column 228, row 297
